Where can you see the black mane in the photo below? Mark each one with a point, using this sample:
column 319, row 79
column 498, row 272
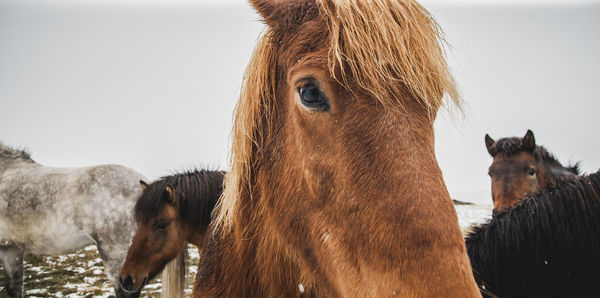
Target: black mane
column 197, row 194
column 7, row 152
column 575, row 169
column 546, row 246
column 541, row 154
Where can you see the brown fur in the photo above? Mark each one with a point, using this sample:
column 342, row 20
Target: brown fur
column 511, row 181
column 344, row 202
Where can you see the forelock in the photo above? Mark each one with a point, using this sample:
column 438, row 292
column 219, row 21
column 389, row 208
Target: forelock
column 509, row 146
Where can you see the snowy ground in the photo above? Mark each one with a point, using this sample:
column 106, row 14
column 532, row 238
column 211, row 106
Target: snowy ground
column 80, row 274
column 469, row 215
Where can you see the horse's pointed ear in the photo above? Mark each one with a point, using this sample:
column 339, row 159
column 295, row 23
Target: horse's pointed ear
column 528, row 141
column 489, row 144
column 266, row 8
column 284, row 12
column 143, row 184
column 170, row 194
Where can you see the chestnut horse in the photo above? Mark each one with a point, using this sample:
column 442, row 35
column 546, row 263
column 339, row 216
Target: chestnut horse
column 520, row 169
column 545, row 246
column 334, row 187
column 171, row 212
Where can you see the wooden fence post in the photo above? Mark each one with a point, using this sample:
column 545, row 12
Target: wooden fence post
column 173, row 278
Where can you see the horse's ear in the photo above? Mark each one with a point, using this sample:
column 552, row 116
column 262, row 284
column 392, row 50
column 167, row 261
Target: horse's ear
column 143, row 184
column 170, row 194
column 528, row 141
column 266, row 8
column 285, row 12
column 489, row 144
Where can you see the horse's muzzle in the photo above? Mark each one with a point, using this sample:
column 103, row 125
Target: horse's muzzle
column 125, row 288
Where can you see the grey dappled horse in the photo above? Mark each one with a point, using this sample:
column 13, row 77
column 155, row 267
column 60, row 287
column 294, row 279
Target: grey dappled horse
column 53, row 211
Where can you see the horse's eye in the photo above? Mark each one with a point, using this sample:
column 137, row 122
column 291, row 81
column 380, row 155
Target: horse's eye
column 531, row 172
column 312, row 98
column 490, row 174
column 161, row 225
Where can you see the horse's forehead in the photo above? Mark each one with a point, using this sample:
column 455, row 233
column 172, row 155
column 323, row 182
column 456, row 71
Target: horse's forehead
column 309, row 40
column 521, row 157
column 169, row 211
column 506, row 163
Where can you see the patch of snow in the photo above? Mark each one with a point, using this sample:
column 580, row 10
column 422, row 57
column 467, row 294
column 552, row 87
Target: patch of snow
column 153, row 286
column 469, row 215
column 36, row 291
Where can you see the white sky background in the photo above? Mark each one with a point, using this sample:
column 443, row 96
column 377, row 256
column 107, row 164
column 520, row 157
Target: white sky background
column 424, row 2
column 153, row 86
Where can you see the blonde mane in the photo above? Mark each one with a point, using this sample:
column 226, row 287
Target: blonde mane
column 385, row 46
column 258, row 89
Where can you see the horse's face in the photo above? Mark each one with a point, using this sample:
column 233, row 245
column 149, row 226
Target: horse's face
column 350, row 172
column 156, row 242
column 515, row 172
column 338, row 142
column 513, row 178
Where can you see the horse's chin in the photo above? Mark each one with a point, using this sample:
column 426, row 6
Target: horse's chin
column 160, row 268
column 125, row 293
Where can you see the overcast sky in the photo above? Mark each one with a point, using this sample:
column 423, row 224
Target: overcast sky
column 153, row 87
column 425, row 2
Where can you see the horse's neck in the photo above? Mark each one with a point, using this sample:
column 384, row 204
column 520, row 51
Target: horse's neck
column 560, row 172
column 13, row 164
column 552, row 173
column 245, row 262
column 196, row 235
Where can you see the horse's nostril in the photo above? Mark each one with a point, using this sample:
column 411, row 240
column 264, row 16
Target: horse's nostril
column 126, row 287
column 128, row 281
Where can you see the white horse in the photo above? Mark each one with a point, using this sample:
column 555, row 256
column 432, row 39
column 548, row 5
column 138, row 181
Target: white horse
column 52, row 211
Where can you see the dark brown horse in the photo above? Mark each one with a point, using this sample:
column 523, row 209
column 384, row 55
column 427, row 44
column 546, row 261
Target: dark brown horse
column 520, row 169
column 545, row 246
column 171, row 212
column 334, row 187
